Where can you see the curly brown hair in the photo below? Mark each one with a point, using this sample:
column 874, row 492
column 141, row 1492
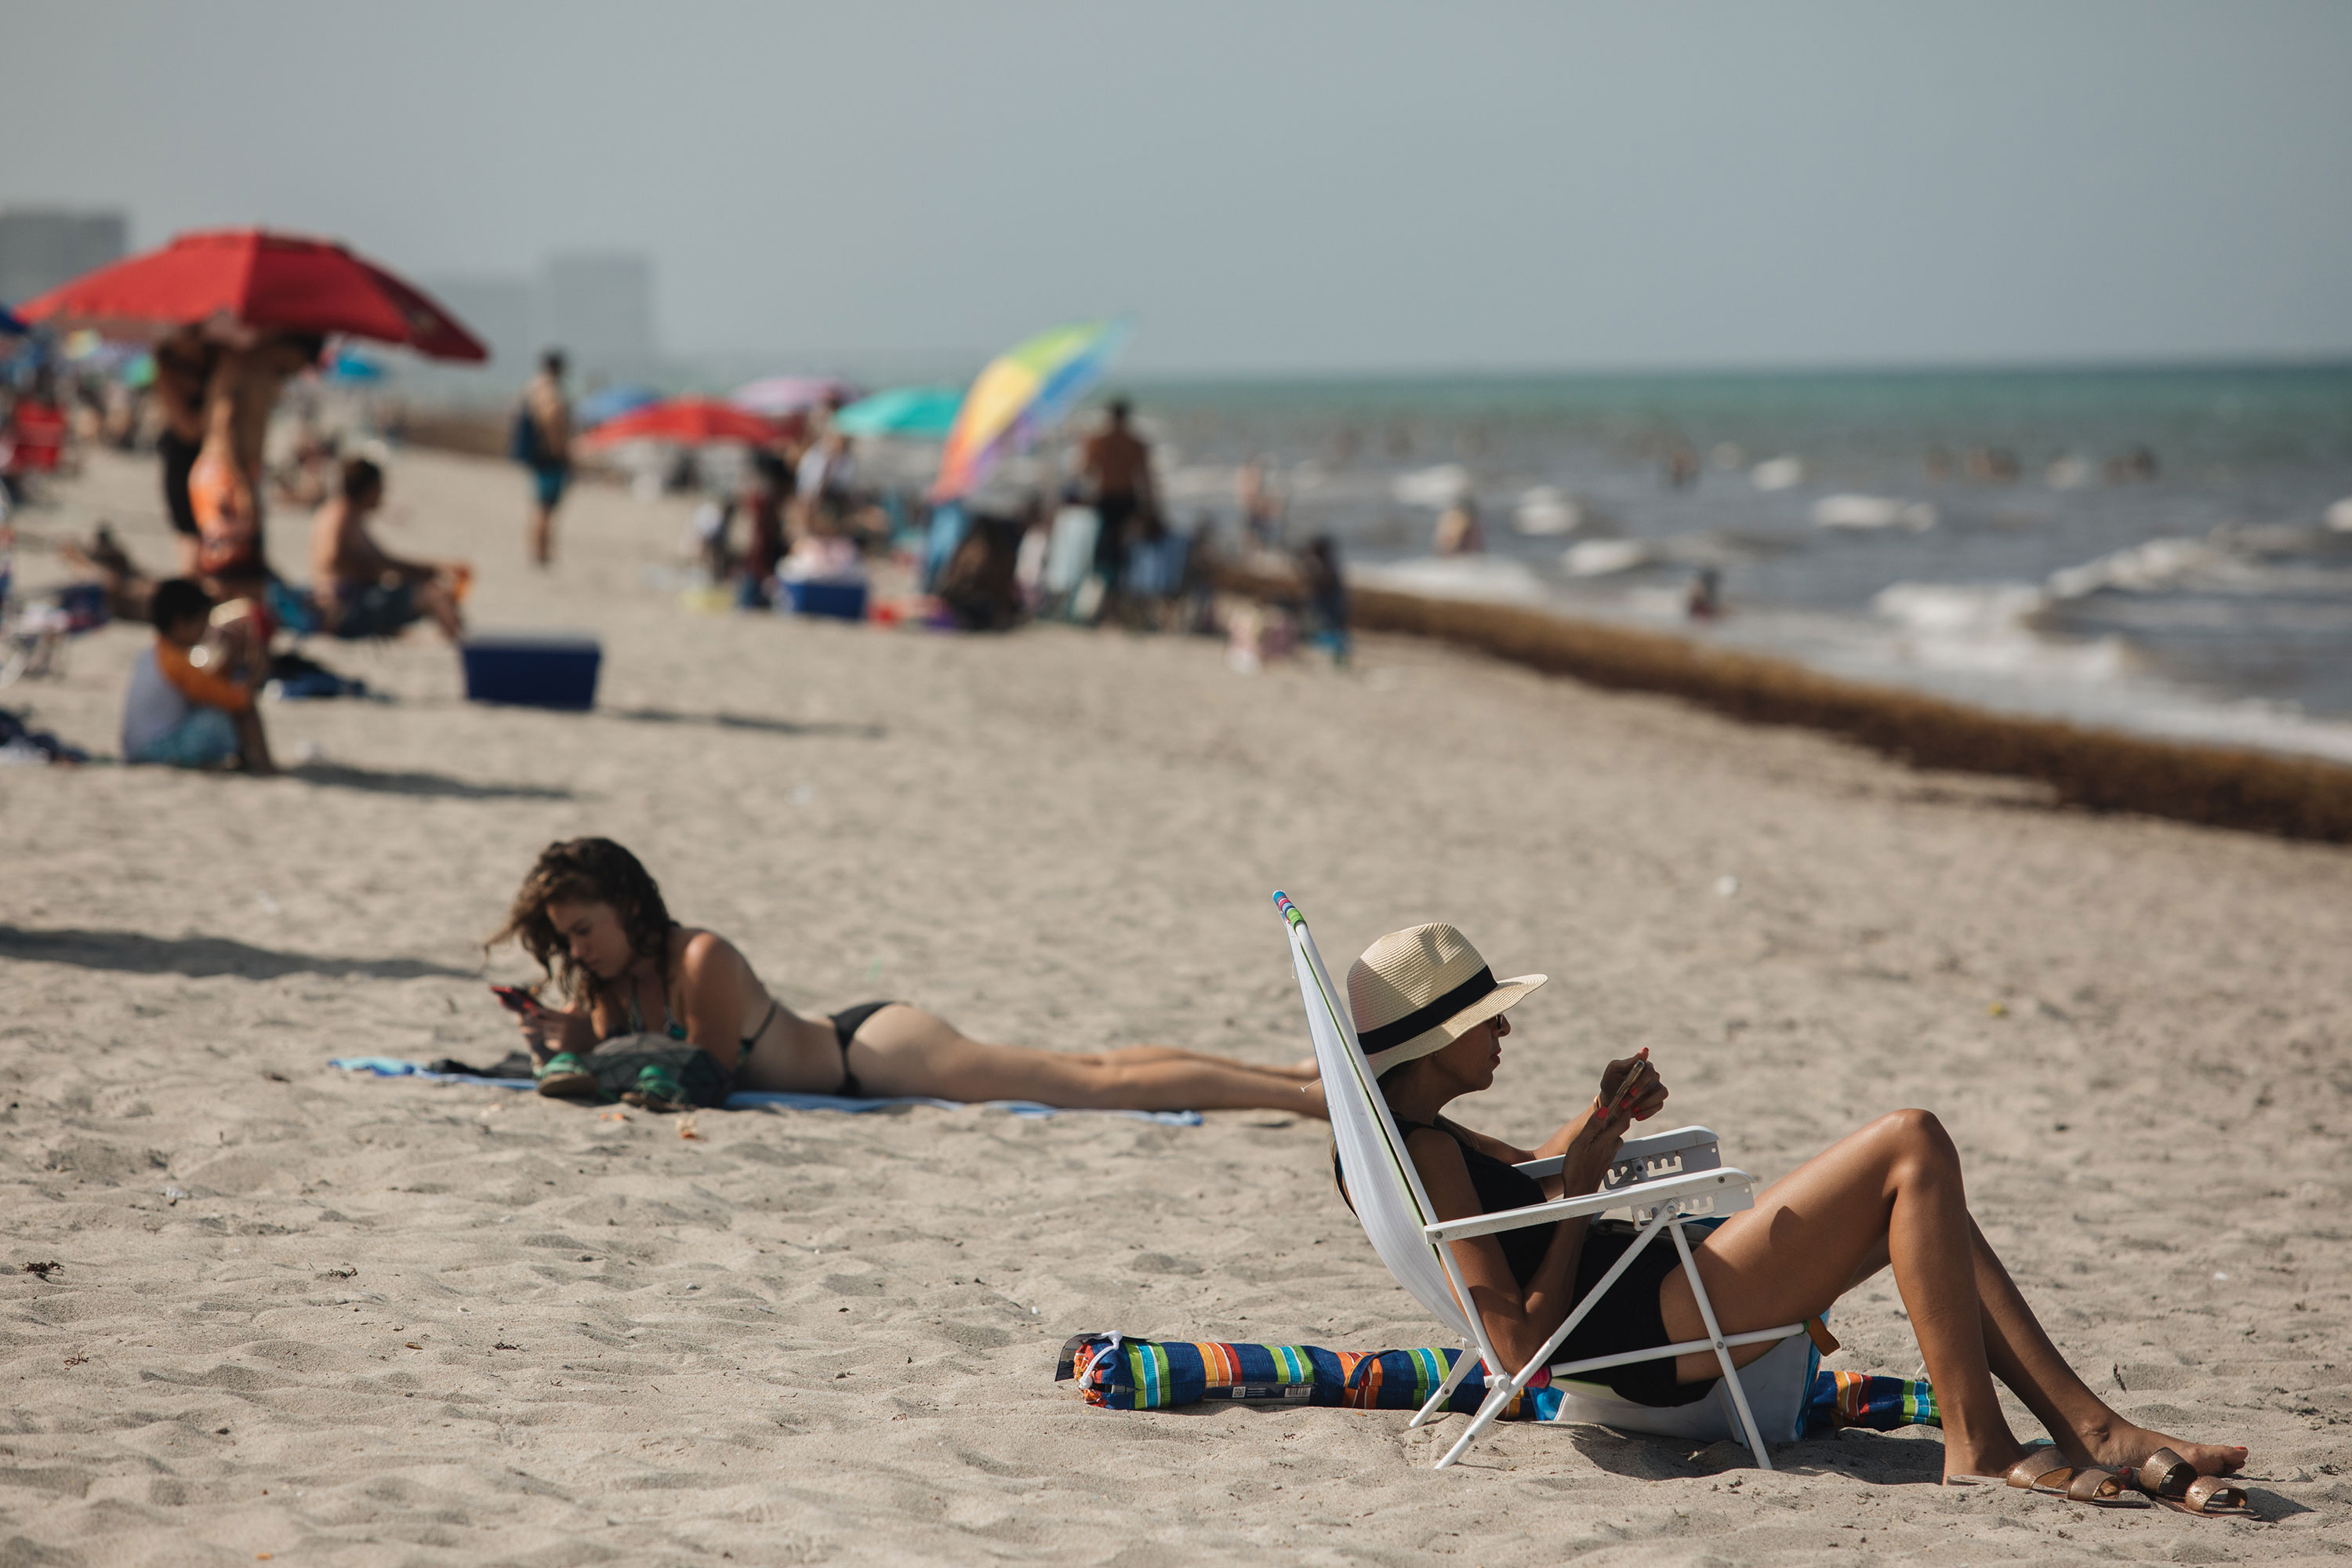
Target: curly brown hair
column 585, row 870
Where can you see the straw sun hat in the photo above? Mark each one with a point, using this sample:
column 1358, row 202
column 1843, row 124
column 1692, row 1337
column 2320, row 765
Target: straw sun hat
column 1418, row 990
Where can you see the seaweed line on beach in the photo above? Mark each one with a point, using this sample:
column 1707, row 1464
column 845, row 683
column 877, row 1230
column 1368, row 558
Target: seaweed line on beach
column 2099, row 770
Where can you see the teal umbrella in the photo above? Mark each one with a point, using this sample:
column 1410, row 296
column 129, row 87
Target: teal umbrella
column 920, row 413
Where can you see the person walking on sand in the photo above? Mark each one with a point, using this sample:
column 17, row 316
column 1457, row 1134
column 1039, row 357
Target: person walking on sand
column 1116, row 465
column 542, row 442
column 593, row 918
column 1431, row 1018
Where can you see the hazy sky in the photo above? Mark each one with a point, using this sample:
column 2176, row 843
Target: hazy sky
column 1272, row 187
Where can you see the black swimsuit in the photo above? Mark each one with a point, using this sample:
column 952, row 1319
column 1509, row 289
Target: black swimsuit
column 1627, row 1318
column 845, row 1024
column 677, row 1031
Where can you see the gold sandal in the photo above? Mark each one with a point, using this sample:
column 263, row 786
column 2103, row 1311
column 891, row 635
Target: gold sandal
column 2169, row 1479
column 2050, row 1473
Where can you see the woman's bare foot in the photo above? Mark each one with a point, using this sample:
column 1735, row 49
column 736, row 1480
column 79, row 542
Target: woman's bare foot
column 2126, row 1448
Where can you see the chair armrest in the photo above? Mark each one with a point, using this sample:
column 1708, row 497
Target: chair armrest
column 1656, row 1145
column 1708, row 1184
column 1696, row 1144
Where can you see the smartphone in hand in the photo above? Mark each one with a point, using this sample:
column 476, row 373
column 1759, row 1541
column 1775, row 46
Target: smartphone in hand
column 515, row 999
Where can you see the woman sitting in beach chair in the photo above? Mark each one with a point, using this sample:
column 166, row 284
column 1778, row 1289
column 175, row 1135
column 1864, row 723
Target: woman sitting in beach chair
column 1431, row 1019
column 594, row 921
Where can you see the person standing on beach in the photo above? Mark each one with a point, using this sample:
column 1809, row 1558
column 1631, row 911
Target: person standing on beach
column 542, row 442
column 770, row 492
column 1458, row 533
column 184, row 374
column 224, row 480
column 1117, row 467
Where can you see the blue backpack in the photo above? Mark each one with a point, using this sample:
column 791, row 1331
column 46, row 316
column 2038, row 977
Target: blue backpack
column 522, row 437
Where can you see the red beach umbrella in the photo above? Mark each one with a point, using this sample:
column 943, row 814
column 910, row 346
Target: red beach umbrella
column 252, row 278
column 690, row 421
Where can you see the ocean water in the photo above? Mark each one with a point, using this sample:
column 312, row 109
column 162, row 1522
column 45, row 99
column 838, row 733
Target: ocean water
column 2154, row 549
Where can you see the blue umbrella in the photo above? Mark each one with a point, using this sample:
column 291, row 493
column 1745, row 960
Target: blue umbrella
column 918, row 412
column 612, row 402
column 11, row 325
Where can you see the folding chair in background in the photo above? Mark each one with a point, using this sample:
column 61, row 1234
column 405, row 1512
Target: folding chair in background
column 1667, row 1181
column 1070, row 561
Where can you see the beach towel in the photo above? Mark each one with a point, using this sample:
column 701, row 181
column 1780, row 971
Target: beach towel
column 1114, row 1371
column 752, row 1098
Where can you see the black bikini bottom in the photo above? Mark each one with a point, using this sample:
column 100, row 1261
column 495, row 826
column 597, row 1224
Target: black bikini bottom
column 1628, row 1318
column 845, row 1024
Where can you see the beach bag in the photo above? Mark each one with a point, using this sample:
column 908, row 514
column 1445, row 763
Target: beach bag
column 617, row 1062
column 522, row 436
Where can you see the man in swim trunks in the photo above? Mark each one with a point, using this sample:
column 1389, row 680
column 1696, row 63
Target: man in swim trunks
column 362, row 590
column 546, row 418
column 1117, row 467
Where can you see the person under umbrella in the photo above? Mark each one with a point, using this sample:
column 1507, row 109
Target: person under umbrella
column 225, row 481
column 270, row 300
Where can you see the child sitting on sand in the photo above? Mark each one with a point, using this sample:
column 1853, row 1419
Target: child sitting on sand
column 190, row 700
column 590, row 915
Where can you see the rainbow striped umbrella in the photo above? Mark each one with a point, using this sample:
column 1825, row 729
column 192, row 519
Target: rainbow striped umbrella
column 1022, row 392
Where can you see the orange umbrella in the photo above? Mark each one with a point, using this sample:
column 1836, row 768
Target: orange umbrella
column 688, row 421
column 252, row 278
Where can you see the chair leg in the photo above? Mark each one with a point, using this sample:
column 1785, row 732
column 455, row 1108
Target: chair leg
column 1501, row 1394
column 1462, row 1366
column 1722, row 1352
column 1497, row 1398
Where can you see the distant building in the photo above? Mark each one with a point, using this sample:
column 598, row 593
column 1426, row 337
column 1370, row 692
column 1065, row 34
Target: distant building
column 599, row 307
column 498, row 311
column 41, row 247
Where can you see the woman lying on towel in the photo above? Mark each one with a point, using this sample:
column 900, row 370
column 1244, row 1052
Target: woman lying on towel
column 594, row 921
column 1429, row 1016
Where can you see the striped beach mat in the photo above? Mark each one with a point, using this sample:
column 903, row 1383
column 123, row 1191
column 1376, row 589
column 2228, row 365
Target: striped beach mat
column 1114, row 1371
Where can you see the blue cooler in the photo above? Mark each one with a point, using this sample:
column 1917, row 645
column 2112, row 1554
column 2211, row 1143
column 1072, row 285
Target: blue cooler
column 532, row 671
column 842, row 601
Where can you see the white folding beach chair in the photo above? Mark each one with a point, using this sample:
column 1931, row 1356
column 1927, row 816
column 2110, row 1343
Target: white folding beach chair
column 1666, row 1181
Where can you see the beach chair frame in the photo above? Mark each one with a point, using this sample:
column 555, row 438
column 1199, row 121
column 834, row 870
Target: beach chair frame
column 1667, row 1181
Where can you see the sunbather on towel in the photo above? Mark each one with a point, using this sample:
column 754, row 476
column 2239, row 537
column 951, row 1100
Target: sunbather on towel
column 594, row 919
column 1431, row 1017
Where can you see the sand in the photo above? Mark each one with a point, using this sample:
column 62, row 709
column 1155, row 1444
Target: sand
column 382, row 1323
